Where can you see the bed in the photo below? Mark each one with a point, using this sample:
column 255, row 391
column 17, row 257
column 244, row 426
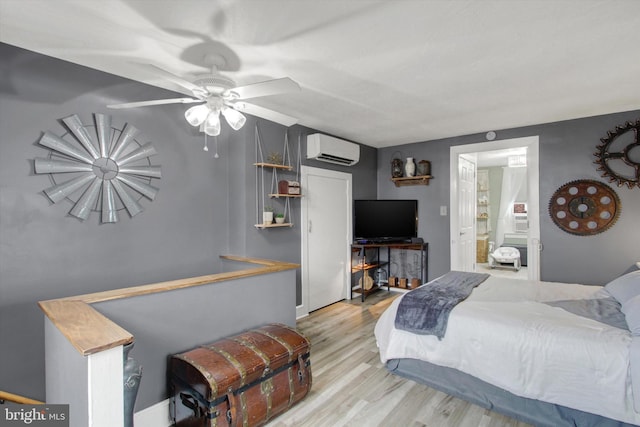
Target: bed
column 531, row 350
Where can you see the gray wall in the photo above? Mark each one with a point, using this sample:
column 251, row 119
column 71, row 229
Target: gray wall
column 173, row 322
column 566, row 154
column 205, row 206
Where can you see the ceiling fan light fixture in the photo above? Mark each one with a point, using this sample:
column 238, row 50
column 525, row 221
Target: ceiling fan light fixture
column 212, row 124
column 197, row 115
column 235, row 118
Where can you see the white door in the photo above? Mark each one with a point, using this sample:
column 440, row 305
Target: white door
column 466, row 213
column 326, row 236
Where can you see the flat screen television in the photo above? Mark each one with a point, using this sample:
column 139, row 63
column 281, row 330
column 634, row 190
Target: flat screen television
column 380, row 221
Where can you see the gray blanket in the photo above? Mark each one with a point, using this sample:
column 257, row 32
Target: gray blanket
column 604, row 310
column 425, row 310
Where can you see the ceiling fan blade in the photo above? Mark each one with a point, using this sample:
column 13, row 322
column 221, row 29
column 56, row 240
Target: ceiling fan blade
column 155, row 102
column 195, row 89
column 270, row 87
column 265, row 113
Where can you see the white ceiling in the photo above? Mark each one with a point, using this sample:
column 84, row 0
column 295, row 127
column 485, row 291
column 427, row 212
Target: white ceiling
column 381, row 72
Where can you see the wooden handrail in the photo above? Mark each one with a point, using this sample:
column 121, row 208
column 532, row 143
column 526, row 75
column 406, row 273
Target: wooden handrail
column 91, row 332
column 10, row 397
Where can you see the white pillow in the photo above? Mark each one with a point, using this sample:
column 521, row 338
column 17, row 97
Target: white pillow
column 625, row 287
column 631, row 310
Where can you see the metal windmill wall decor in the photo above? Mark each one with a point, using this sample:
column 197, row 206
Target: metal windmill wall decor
column 98, row 168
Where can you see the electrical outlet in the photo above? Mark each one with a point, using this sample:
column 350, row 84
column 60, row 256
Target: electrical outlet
column 443, row 211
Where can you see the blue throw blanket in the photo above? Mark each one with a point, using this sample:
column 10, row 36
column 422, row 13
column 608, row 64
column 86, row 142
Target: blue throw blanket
column 425, row 310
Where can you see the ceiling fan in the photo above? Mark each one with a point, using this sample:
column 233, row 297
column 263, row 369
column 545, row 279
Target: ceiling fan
column 218, row 94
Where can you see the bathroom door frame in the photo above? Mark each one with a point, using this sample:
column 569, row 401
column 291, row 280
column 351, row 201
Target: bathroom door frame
column 534, row 245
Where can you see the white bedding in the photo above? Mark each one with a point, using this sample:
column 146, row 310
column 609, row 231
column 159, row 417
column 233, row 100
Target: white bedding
column 503, row 335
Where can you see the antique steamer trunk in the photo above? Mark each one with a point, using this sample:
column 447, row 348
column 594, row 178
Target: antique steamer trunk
column 243, row 380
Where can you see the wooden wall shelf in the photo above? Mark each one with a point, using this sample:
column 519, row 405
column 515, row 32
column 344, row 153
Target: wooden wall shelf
column 274, row 225
column 274, row 166
column 412, row 180
column 284, row 195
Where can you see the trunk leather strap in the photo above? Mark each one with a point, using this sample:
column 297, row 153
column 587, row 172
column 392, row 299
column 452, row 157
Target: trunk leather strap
column 232, row 412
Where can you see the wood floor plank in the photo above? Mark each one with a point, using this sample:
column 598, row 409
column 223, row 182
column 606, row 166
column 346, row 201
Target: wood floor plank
column 351, row 387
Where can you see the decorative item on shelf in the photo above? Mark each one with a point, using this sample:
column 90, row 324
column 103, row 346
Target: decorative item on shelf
column 396, row 168
column 619, row 166
column 519, row 208
column 402, row 282
column 381, row 277
column 279, row 218
column 288, row 187
column 267, row 215
column 410, row 167
column 274, row 158
column 584, row 207
column 366, row 282
column 393, row 281
column 415, row 282
column 424, row 167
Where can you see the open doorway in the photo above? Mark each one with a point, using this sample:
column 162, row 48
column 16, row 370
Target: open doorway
column 499, row 227
column 502, row 223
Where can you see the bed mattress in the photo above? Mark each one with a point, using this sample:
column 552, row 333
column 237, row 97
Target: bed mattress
column 505, row 334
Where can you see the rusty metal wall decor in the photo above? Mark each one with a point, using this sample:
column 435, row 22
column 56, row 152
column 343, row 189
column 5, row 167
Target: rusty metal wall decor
column 584, row 207
column 619, row 155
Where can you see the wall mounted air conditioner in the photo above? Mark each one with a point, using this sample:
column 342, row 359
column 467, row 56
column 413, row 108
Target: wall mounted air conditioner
column 332, row 150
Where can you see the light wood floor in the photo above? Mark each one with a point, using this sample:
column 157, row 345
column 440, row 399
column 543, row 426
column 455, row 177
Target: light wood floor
column 351, row 387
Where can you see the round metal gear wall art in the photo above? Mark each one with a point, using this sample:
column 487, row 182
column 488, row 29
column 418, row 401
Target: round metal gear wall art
column 584, row 207
column 619, row 155
column 98, row 168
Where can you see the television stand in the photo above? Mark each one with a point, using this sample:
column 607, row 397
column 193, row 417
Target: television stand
column 380, row 241
column 366, row 262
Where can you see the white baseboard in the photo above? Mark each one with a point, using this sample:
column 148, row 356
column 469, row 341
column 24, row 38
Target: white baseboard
column 301, row 311
column 154, row 416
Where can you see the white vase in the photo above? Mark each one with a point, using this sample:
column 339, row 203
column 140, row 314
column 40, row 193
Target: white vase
column 280, row 220
column 410, row 167
column 267, row 218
